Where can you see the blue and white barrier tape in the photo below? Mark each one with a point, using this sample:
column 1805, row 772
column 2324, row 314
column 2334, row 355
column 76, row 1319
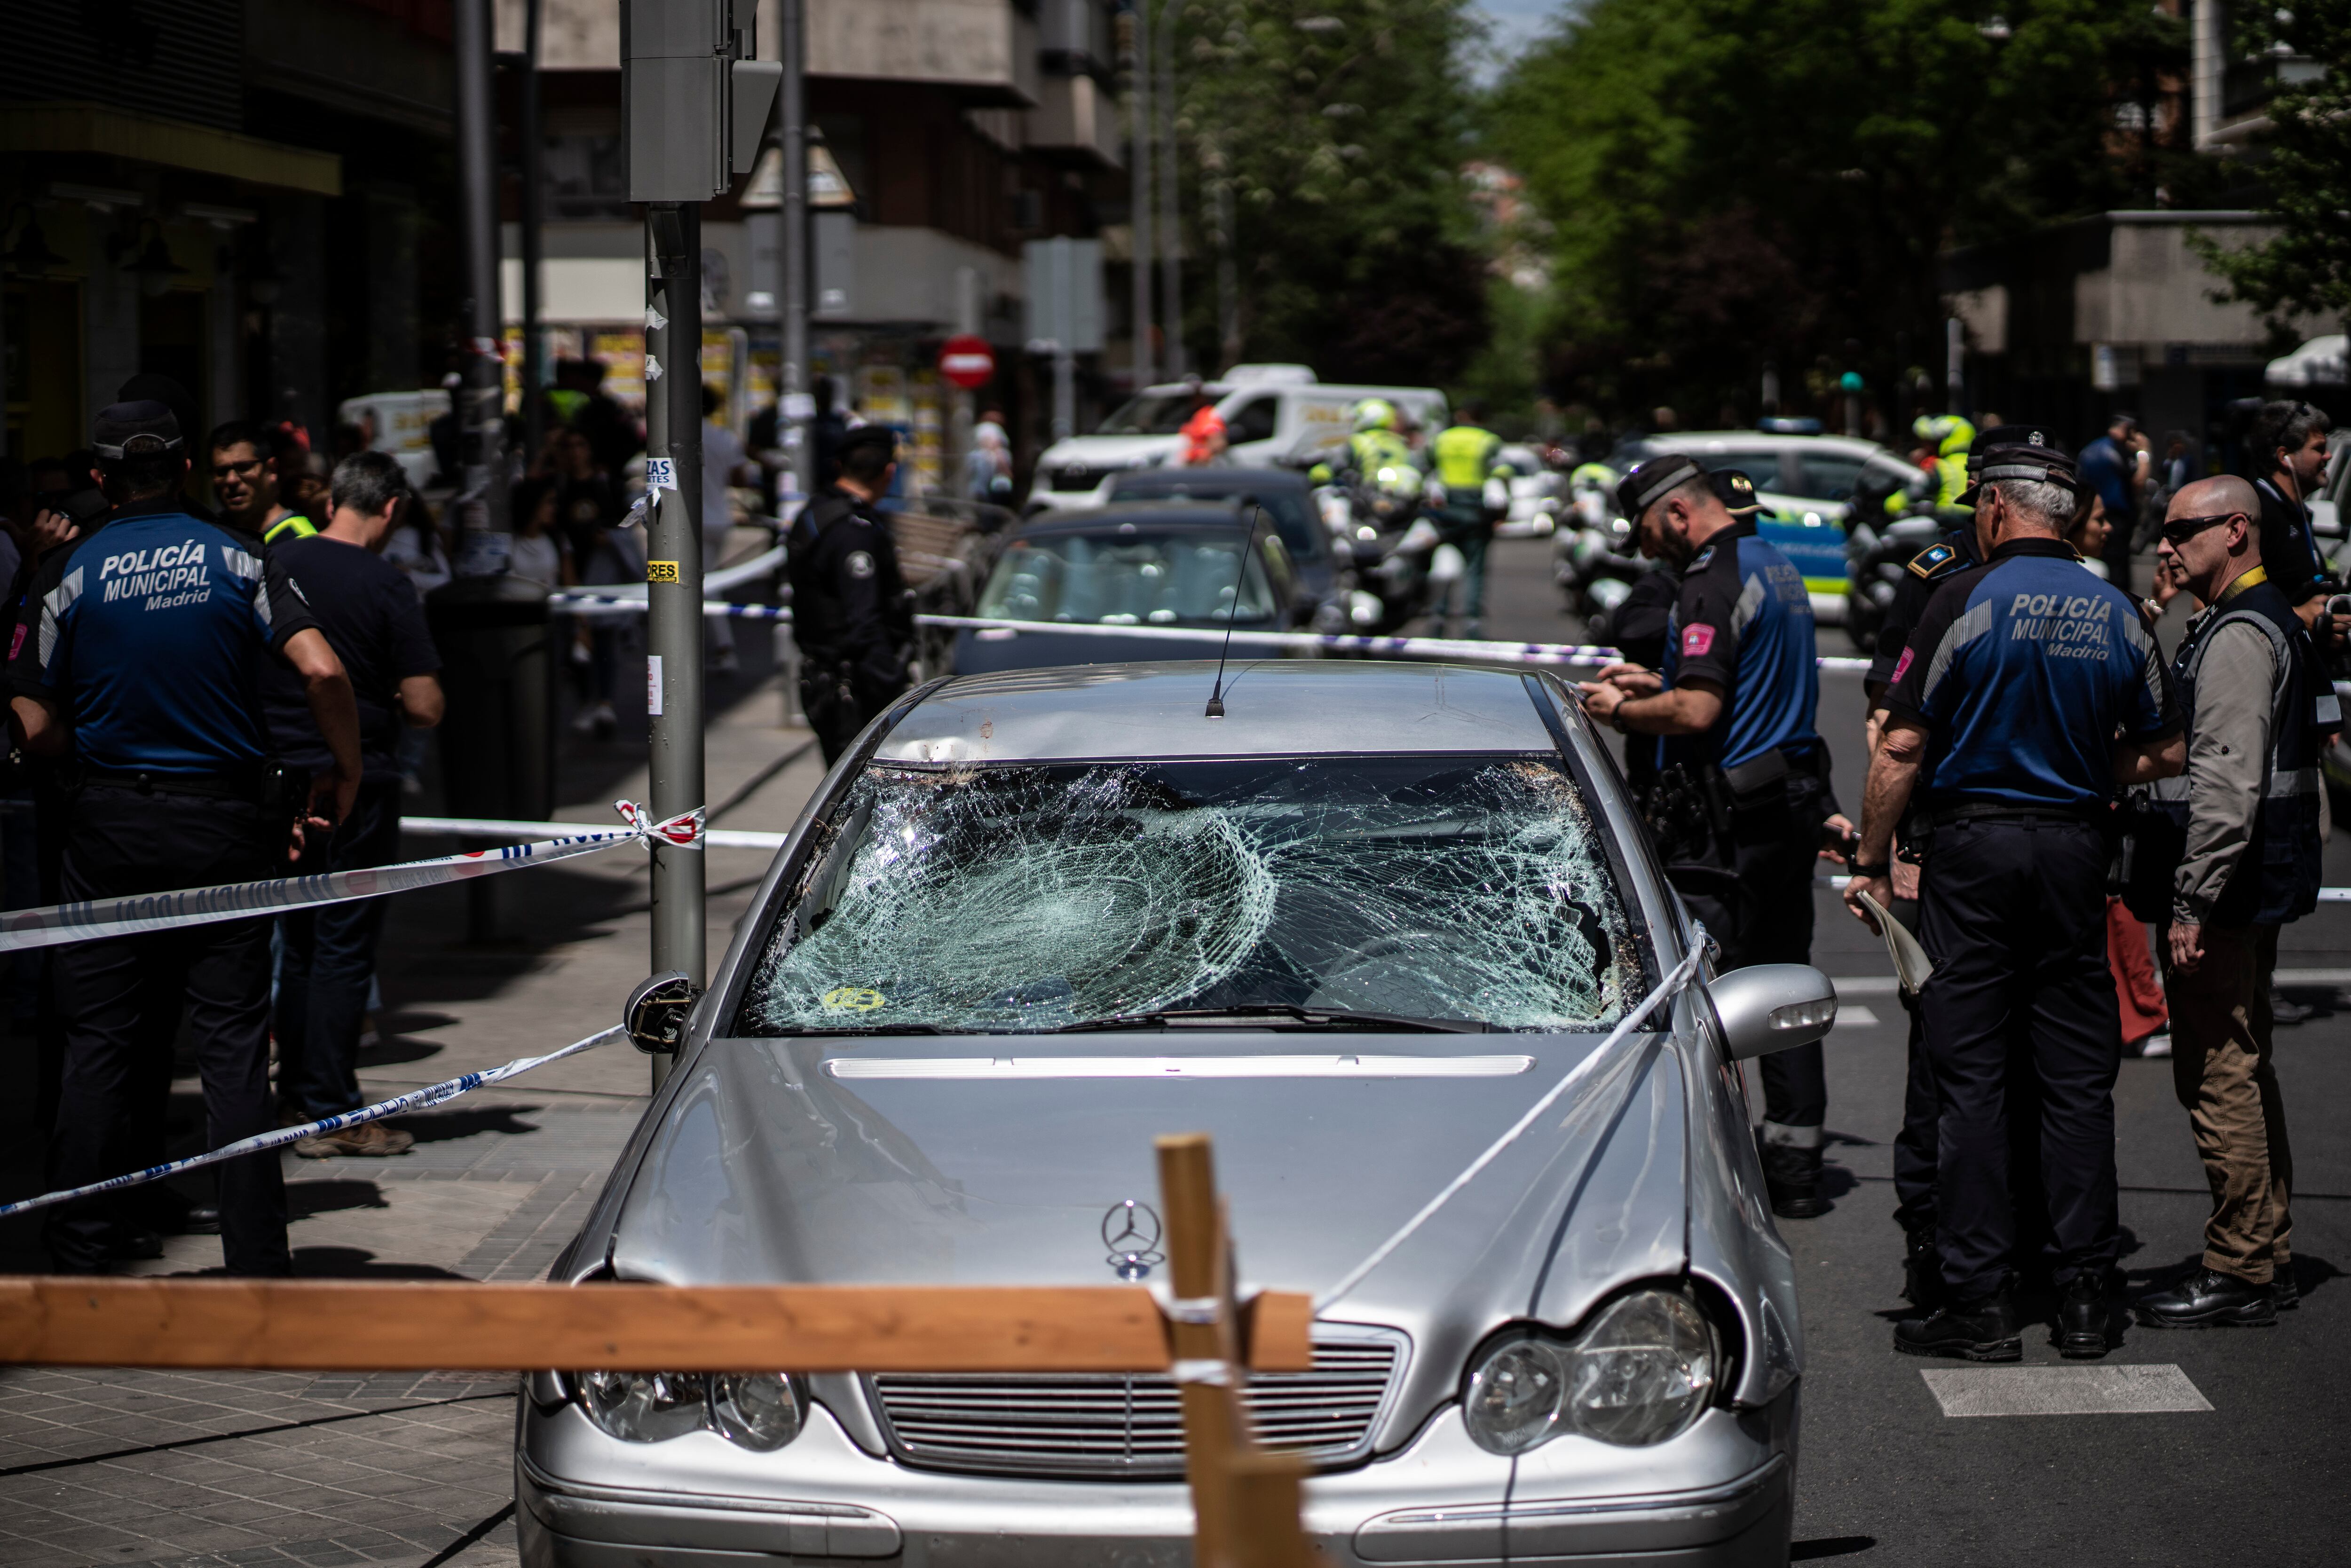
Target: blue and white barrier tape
column 62, row 923
column 1465, row 648
column 261, row 1143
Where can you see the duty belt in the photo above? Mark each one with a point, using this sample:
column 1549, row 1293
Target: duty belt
column 2004, row 811
column 251, row 787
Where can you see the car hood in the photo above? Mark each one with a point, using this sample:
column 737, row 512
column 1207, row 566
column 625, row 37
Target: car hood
column 1109, row 451
column 849, row 1161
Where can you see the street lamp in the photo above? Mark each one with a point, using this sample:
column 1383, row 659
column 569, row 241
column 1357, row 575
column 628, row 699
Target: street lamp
column 153, row 264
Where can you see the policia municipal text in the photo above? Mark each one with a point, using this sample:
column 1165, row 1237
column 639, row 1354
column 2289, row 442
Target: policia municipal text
column 1742, row 798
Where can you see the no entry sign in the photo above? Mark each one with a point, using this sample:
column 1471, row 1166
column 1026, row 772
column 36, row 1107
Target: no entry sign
column 966, row 361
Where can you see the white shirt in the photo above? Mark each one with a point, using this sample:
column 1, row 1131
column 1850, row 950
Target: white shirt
column 536, row 559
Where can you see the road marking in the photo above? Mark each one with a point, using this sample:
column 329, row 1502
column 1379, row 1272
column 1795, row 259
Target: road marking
column 2063, row 1390
column 1857, row 1017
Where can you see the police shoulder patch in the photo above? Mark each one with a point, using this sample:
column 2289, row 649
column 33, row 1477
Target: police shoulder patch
column 1697, row 561
column 1933, row 561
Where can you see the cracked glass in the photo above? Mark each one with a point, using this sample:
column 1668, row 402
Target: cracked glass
column 1467, row 891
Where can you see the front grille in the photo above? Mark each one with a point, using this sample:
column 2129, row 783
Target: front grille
column 1077, row 478
column 1117, row 1426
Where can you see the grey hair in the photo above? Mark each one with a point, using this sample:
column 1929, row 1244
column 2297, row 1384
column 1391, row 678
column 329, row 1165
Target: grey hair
column 368, row 482
column 2053, row 504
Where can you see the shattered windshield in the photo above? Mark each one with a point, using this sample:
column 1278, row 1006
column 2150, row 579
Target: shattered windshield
column 1029, row 898
column 1127, row 577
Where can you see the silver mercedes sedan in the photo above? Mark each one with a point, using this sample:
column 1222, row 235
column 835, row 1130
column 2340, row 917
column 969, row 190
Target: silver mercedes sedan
column 1354, row 928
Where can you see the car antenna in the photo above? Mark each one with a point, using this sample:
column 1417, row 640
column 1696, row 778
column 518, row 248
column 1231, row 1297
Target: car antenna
column 1216, row 695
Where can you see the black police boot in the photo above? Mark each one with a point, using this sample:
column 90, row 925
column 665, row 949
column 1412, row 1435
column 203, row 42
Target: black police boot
column 2209, row 1298
column 1983, row 1328
column 1792, row 1178
column 1922, row 1270
column 2082, row 1316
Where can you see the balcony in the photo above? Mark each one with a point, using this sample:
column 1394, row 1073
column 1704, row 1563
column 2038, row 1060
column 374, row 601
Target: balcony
column 2249, row 85
column 985, row 51
column 1077, row 122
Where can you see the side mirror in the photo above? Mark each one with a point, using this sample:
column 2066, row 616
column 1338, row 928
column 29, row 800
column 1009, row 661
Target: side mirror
column 1766, row 1008
column 657, row 1011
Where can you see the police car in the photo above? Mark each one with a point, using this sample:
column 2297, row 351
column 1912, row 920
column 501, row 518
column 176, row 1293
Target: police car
column 1806, row 485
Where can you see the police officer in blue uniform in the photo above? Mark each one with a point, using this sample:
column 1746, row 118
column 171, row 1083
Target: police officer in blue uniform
column 2001, row 728
column 132, row 661
column 1742, row 794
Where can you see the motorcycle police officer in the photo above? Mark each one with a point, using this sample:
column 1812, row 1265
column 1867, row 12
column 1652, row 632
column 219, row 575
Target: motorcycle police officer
column 132, row 661
column 2001, row 722
column 1743, row 793
column 1469, row 458
column 852, row 613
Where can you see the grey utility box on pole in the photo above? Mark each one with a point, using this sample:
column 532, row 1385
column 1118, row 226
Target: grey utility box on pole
column 694, row 107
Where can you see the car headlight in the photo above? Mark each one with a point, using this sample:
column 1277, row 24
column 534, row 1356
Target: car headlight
column 1641, row 1372
column 757, row 1410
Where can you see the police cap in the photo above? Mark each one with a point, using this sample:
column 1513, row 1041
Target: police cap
column 135, row 430
column 867, row 436
column 1737, row 490
column 2018, row 452
column 1648, row 483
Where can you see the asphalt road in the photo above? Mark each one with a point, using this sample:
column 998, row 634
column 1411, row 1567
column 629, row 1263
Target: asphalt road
column 1886, row 1476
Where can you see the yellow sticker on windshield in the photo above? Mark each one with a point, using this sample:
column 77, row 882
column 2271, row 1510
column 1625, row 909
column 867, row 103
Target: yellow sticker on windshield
column 851, row 999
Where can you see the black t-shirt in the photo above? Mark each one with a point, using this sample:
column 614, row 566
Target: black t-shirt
column 370, row 614
column 2287, row 549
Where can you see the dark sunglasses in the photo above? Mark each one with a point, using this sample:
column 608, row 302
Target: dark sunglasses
column 2181, row 530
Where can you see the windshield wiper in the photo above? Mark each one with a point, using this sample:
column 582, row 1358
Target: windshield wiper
column 1329, row 1018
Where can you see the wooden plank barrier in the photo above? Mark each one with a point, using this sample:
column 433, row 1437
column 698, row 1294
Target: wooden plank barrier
column 1246, row 1502
column 338, row 1325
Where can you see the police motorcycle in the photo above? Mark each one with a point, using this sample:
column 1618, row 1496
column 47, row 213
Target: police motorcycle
column 1594, row 558
column 1887, row 529
column 1403, row 564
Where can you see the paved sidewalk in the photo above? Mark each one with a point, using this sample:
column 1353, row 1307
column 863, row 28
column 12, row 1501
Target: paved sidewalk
column 210, row 1468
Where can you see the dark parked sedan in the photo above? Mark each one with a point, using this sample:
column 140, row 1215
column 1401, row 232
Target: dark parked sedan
column 1287, row 498
column 1173, row 564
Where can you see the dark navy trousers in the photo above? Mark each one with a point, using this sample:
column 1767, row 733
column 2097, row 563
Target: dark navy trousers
column 2013, row 916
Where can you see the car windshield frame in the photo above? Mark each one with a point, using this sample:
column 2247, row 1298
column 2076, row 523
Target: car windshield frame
column 1633, row 954
column 1257, row 603
column 1291, row 507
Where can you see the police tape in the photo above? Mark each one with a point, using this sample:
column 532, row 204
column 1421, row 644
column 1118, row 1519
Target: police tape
column 500, row 828
column 1474, row 649
column 261, row 1143
column 88, row 921
column 2326, row 894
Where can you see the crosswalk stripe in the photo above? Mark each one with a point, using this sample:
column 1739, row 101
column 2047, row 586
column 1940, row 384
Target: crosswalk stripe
column 2063, row 1390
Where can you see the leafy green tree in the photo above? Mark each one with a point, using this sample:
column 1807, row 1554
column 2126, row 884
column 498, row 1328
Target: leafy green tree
column 1334, row 132
column 2307, row 173
column 1737, row 183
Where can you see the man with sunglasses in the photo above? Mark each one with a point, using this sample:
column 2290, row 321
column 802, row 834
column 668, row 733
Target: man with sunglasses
column 2029, row 692
column 2240, row 857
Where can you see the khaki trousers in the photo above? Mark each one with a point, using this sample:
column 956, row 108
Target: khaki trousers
column 2222, row 1072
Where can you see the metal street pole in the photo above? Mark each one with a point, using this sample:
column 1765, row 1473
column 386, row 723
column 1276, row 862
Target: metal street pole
column 798, row 408
column 1138, row 174
column 534, row 350
column 1955, row 364
column 673, row 577
column 1170, row 229
column 484, row 384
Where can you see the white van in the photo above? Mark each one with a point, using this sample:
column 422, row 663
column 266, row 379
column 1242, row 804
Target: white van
column 1268, row 411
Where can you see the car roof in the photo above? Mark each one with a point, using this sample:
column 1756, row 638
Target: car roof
column 1166, row 481
column 1273, row 707
column 1698, row 441
column 1175, row 511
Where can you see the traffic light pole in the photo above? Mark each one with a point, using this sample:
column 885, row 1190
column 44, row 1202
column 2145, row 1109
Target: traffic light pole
column 674, row 577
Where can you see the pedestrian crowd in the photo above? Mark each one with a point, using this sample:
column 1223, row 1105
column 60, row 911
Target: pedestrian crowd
column 2042, row 780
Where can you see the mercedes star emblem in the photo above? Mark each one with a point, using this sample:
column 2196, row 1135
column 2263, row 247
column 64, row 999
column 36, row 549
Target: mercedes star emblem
column 1131, row 1231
